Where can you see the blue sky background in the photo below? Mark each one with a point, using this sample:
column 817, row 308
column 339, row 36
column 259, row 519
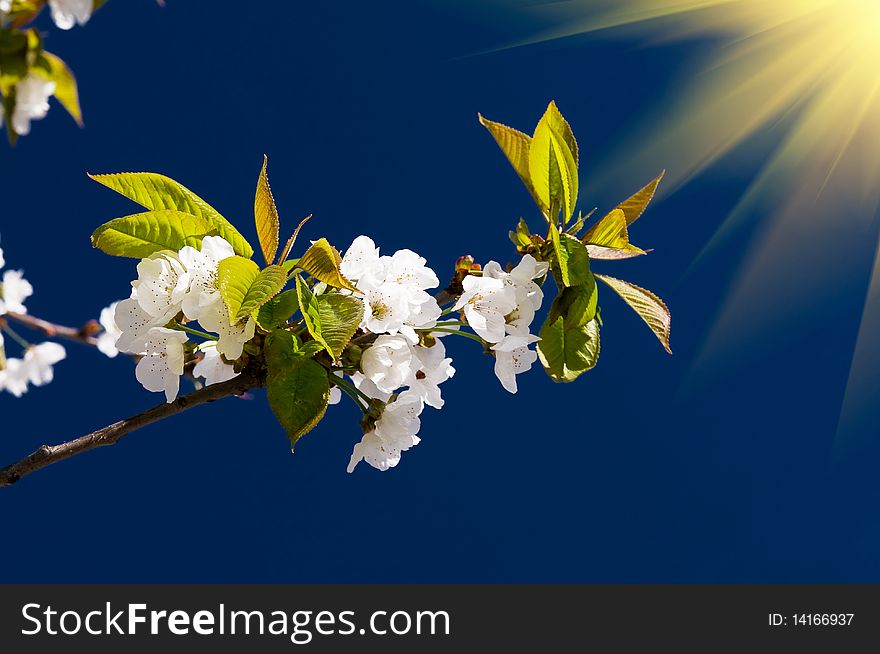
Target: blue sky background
column 645, row 470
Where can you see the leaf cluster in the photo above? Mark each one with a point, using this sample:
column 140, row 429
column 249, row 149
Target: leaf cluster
column 547, row 163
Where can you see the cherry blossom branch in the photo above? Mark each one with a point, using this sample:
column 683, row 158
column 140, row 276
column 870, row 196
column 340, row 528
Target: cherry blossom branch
column 84, row 334
column 46, row 455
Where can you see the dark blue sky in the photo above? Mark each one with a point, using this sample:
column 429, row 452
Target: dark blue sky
column 368, row 114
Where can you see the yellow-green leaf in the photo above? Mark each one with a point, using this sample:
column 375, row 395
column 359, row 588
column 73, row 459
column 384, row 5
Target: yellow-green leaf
column 340, row 317
column 143, row 234
column 553, row 170
column 235, row 275
column 267, row 285
column 650, row 308
column 158, row 192
column 515, row 146
column 611, row 232
column 560, row 126
column 266, row 215
column 611, row 254
column 282, row 258
column 322, row 261
column 571, row 263
column 55, row 70
column 634, row 206
column 311, row 313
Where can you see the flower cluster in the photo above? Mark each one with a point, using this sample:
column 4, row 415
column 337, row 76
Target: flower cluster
column 400, row 369
column 65, row 13
column 32, row 95
column 173, row 289
column 500, row 307
column 33, row 90
column 36, row 364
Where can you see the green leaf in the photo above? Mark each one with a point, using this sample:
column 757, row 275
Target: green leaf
column 297, row 386
column 650, row 308
column 282, row 258
column 52, row 68
column 634, row 206
column 266, row 215
column 568, row 353
column 322, row 262
column 235, row 276
column 611, row 232
column 267, row 285
column 559, row 125
column 571, row 264
column 521, row 238
column 143, row 234
column 278, row 310
column 611, row 254
column 155, row 191
column 515, row 146
column 553, row 169
column 340, row 317
column 577, row 305
column 311, row 312
column 578, row 225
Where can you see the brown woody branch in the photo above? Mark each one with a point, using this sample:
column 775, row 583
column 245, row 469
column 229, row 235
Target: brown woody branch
column 49, row 454
column 84, row 334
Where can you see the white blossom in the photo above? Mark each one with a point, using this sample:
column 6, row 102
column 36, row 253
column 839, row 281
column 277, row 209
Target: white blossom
column 2, row 260
column 212, row 367
column 15, row 290
column 394, row 288
column 32, row 95
column 513, row 357
column 388, row 363
column 14, row 377
column 368, row 388
column 201, row 266
column 386, row 307
column 161, row 285
column 361, row 259
column 39, row 359
column 107, row 338
column 67, row 13
column 529, row 295
column 133, row 323
column 434, row 368
column 161, row 366
column 335, row 395
column 486, row 301
column 231, row 338
column 407, row 268
column 394, row 432
column 5, row 8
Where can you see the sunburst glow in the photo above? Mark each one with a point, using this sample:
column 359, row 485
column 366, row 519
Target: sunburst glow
column 806, row 72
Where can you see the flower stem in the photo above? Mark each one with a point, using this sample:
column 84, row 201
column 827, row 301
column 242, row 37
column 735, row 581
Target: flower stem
column 451, row 323
column 473, row 337
column 15, row 336
column 352, row 391
column 195, row 332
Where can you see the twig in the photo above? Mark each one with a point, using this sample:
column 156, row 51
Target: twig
column 84, row 334
column 49, row 454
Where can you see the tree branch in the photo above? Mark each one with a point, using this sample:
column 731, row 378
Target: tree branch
column 84, row 334
column 49, row 454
